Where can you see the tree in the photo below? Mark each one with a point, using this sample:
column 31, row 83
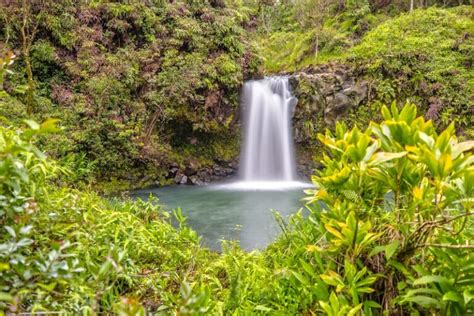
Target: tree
column 313, row 13
column 27, row 16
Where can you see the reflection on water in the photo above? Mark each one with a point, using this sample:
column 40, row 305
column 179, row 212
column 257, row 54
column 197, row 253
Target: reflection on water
column 231, row 215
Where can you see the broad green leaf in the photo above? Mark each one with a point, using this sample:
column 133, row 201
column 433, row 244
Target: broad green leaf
column 334, row 301
column 5, row 297
column 365, row 290
column 326, row 307
column 11, row 231
column 105, row 268
column 427, row 139
column 394, row 110
column 32, row 124
column 262, row 308
column 332, row 278
column 301, row 278
column 351, row 221
column 391, row 248
column 367, row 281
column 424, row 301
column 353, row 311
column 370, row 150
column 453, row 296
column 423, row 290
column 386, row 113
column 338, row 178
column 468, row 295
column 372, row 304
column 408, row 113
column 48, row 287
column 4, row 266
column 462, row 147
column 306, row 267
column 381, row 157
column 430, row 279
column 49, row 126
column 333, row 231
column 376, row 250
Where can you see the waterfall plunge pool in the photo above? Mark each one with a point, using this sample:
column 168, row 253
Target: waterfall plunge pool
column 242, row 210
column 232, row 211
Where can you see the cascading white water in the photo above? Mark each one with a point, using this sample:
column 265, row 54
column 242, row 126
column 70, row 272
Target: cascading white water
column 267, row 160
column 268, row 146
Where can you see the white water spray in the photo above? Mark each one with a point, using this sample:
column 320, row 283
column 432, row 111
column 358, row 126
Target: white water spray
column 268, row 150
column 267, row 160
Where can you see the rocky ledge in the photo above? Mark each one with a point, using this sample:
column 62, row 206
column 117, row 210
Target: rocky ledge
column 325, row 95
column 194, row 174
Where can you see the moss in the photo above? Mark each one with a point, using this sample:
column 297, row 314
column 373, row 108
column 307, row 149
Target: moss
column 426, row 54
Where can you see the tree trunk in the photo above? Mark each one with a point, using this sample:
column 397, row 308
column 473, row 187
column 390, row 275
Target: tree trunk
column 150, row 127
column 27, row 40
column 412, row 3
column 317, row 47
column 31, row 82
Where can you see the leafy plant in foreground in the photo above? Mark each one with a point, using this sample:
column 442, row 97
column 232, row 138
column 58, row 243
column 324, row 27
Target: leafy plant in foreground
column 411, row 190
column 25, row 270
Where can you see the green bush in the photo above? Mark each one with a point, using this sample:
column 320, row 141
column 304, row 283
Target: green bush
column 425, row 56
column 398, row 199
column 65, row 250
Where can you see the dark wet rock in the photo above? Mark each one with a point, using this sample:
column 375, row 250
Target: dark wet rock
column 184, row 180
column 204, row 176
column 192, row 168
column 195, row 180
column 219, row 171
column 192, row 174
column 190, row 171
column 228, row 171
column 325, row 95
column 172, row 172
column 178, row 177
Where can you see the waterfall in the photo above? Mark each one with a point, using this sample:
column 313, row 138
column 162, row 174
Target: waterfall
column 268, row 143
column 267, row 159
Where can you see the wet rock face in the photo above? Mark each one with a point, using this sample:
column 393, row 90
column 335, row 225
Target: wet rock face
column 325, row 95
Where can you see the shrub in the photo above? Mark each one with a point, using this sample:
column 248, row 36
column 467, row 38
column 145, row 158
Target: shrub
column 65, row 250
column 396, row 220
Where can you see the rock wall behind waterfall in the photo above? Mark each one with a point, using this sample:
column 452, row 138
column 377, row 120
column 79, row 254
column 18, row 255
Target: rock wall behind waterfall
column 325, row 94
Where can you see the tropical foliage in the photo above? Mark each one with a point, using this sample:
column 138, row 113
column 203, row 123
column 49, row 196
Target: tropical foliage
column 127, row 89
column 389, row 227
column 134, row 84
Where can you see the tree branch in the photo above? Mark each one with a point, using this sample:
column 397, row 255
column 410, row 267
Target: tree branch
column 449, row 246
column 446, row 221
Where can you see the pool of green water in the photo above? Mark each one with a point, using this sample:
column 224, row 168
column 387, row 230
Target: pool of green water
column 229, row 212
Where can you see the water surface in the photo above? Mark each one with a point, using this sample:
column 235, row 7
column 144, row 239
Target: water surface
column 219, row 212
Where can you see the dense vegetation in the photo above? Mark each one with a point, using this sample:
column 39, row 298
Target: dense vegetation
column 424, row 55
column 124, row 90
column 151, row 86
column 392, row 232
column 138, row 86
